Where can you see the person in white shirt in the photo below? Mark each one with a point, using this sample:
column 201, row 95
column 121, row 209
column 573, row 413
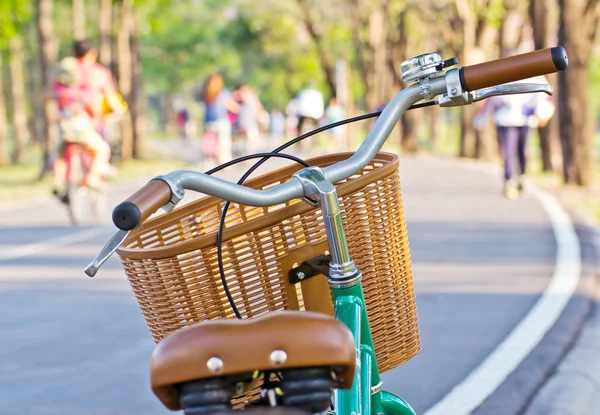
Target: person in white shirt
column 514, row 115
column 310, row 107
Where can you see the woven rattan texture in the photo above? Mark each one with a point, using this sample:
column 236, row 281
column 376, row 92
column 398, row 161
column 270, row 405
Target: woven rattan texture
column 176, row 284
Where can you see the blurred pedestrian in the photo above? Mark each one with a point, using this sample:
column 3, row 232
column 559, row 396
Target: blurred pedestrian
column 291, row 119
column 310, row 107
column 249, row 111
column 277, row 124
column 182, row 120
column 513, row 116
column 334, row 113
column 217, row 126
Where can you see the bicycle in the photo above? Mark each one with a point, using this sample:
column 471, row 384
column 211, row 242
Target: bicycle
column 172, row 263
column 83, row 202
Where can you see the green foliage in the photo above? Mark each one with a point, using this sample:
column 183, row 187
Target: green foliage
column 14, row 14
column 259, row 43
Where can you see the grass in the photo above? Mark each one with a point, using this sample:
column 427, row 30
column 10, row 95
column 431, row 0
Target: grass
column 587, row 199
column 18, row 183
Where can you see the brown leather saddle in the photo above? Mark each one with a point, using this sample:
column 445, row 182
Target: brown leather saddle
column 274, row 341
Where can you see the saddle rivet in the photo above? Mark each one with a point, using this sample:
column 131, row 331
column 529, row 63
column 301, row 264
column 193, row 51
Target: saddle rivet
column 278, row 357
column 214, row 364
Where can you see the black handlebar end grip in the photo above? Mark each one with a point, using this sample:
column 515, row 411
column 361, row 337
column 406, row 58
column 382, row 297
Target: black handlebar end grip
column 559, row 58
column 126, row 216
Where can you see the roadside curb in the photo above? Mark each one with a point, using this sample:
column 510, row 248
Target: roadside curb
column 573, row 388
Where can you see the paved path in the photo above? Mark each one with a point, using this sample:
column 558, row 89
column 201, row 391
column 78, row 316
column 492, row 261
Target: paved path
column 74, row 345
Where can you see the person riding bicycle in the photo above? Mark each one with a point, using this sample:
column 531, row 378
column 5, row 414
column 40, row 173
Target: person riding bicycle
column 78, row 127
column 96, row 84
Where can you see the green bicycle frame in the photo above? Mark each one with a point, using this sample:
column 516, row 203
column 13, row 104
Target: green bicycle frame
column 366, row 396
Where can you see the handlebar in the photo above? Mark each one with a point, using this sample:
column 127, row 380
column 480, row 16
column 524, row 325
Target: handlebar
column 141, row 205
column 513, row 68
column 157, row 193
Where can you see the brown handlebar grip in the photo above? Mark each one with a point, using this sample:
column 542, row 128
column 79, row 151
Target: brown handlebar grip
column 143, row 203
column 514, row 68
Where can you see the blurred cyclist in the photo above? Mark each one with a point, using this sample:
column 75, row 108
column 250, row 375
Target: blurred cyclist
column 78, row 127
column 85, row 93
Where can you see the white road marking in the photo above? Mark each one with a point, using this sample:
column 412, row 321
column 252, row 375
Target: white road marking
column 490, row 374
column 22, row 251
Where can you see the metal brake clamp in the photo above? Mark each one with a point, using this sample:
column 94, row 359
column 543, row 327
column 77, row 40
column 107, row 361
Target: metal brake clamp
column 177, row 193
column 454, row 96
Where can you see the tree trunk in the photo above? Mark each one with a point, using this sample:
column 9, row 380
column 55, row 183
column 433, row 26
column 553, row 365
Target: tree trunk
column 326, row 63
column 410, row 138
column 538, row 14
column 399, row 53
column 105, row 32
column 357, row 24
column 125, row 76
column 466, row 11
column 138, row 99
column 378, row 72
column 486, row 147
column 576, row 33
column 47, row 54
column 3, row 122
column 78, row 11
column 18, row 97
column 34, row 88
column 433, row 118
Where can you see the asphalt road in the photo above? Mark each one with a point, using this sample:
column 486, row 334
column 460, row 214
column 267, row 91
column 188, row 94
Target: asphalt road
column 73, row 345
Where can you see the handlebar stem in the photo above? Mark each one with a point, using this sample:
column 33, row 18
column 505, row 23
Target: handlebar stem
column 343, row 273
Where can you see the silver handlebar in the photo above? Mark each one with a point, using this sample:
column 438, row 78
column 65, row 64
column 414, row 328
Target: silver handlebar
column 444, row 85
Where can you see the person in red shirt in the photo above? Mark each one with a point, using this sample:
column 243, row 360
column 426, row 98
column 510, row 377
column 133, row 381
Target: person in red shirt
column 96, row 83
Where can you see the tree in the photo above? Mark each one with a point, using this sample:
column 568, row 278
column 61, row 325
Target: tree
column 549, row 141
column 397, row 52
column 124, row 63
column 138, row 98
column 105, row 32
column 316, row 33
column 578, row 24
column 47, row 56
column 20, row 127
column 370, row 31
column 78, row 11
column 469, row 30
column 3, row 123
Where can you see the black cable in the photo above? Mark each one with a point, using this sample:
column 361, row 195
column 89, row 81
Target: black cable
column 265, row 157
column 311, row 133
column 224, row 214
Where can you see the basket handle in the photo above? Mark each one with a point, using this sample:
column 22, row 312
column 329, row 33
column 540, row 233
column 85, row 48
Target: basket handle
column 141, row 205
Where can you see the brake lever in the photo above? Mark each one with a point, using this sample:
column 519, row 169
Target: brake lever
column 111, row 246
column 510, row 89
column 481, row 94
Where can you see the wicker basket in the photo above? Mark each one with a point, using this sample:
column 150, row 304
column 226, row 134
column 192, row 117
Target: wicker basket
column 171, row 261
